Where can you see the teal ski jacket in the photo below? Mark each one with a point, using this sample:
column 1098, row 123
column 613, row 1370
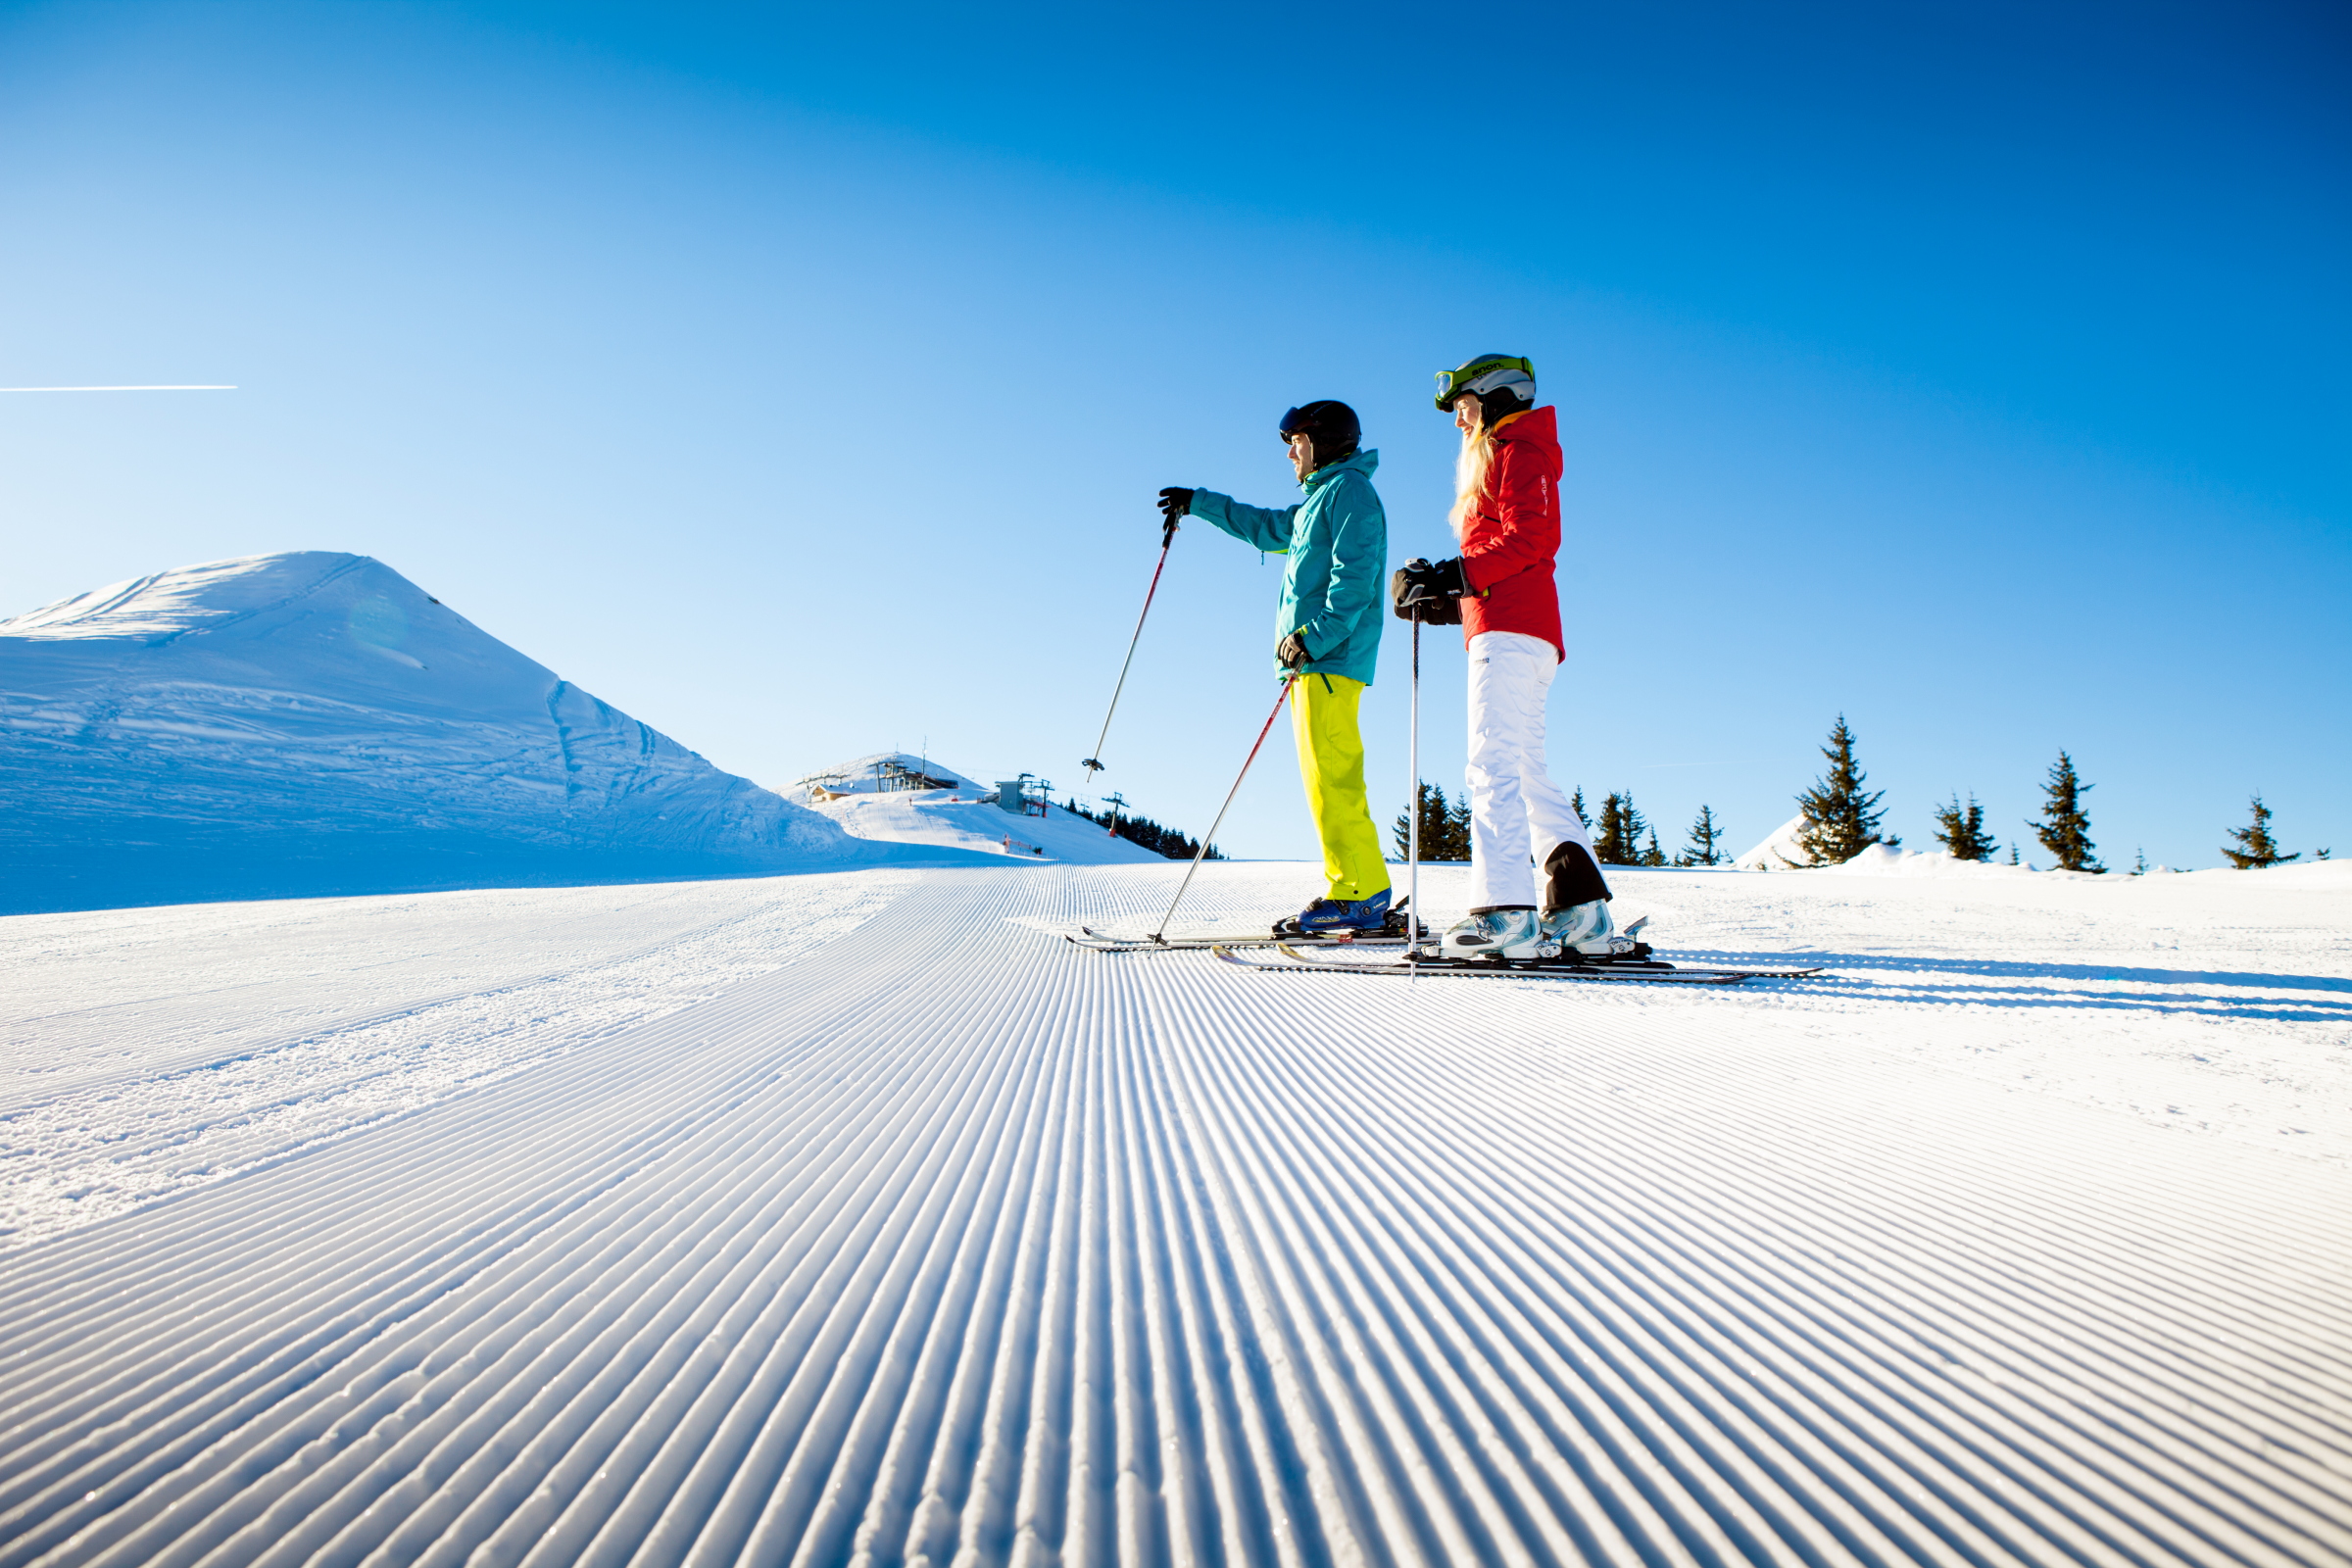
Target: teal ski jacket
column 1337, row 542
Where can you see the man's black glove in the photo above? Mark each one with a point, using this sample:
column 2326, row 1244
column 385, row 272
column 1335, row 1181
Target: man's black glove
column 1429, row 592
column 1293, row 654
column 1174, row 503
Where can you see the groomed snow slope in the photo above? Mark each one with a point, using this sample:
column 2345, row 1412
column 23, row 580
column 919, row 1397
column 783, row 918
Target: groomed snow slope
column 917, row 1235
column 313, row 723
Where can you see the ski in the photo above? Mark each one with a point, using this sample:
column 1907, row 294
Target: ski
column 1640, row 971
column 1391, row 936
column 1094, row 940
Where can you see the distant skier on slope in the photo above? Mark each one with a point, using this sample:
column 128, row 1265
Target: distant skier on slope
column 1327, row 631
column 1507, row 512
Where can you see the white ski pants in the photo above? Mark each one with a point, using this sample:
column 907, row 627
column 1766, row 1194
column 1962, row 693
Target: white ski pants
column 1517, row 814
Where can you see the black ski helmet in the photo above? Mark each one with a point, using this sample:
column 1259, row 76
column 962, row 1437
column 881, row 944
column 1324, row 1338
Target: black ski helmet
column 1330, row 425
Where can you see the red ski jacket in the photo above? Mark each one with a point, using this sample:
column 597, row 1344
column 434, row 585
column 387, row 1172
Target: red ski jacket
column 1513, row 532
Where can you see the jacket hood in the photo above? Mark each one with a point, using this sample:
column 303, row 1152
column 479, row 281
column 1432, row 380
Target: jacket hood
column 1363, row 462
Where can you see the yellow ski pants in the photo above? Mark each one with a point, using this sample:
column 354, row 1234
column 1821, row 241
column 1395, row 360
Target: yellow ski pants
column 1331, row 764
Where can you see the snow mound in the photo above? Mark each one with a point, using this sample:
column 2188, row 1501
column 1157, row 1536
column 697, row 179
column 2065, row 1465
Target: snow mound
column 2299, row 875
column 1778, row 851
column 1881, row 860
column 897, row 797
column 313, row 723
column 1782, row 853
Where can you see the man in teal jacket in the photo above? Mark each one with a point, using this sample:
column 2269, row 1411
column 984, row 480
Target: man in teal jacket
column 1328, row 633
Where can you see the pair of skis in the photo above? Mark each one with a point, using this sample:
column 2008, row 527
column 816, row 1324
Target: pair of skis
column 1637, row 967
column 1301, row 955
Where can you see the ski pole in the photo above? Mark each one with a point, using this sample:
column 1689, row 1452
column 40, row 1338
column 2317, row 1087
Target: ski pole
column 1209, row 837
column 1413, row 870
column 1168, row 537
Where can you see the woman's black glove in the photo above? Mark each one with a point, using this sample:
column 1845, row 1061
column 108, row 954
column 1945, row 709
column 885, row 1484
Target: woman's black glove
column 1174, row 503
column 1293, row 654
column 1429, row 592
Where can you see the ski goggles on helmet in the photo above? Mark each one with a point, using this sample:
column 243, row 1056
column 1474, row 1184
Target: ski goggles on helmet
column 1485, row 375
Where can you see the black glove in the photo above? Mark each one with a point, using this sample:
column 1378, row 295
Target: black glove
column 1174, row 503
column 1293, row 654
column 1429, row 593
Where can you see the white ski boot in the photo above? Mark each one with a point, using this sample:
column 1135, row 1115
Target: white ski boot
column 1509, row 934
column 1586, row 930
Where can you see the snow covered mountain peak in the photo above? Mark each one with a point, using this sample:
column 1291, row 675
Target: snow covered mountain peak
column 313, row 723
column 165, row 604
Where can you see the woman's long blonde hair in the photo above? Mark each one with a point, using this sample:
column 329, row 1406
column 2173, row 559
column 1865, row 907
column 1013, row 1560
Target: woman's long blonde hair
column 1470, row 468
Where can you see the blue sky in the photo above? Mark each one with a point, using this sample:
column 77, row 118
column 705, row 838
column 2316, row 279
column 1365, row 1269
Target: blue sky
column 800, row 382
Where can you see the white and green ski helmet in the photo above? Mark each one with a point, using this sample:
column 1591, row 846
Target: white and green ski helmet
column 1485, row 375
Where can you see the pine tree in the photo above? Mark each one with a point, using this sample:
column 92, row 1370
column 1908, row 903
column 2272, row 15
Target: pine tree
column 1652, row 854
column 1445, row 827
column 1618, row 840
column 1608, row 839
column 2140, row 863
column 1402, row 831
column 1961, row 830
column 1706, row 841
column 2256, row 848
column 1841, row 819
column 2065, row 827
column 1576, row 804
column 1143, row 830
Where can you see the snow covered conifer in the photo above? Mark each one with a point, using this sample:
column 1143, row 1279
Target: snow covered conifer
column 1706, row 841
column 2256, row 848
column 1961, row 830
column 1841, row 819
column 2065, row 826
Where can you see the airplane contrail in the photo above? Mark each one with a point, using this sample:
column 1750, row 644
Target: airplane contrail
column 116, row 389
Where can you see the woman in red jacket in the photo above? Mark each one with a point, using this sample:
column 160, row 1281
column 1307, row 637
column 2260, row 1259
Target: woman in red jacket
column 1507, row 515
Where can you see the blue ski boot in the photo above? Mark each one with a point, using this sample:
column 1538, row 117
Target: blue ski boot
column 1332, row 917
